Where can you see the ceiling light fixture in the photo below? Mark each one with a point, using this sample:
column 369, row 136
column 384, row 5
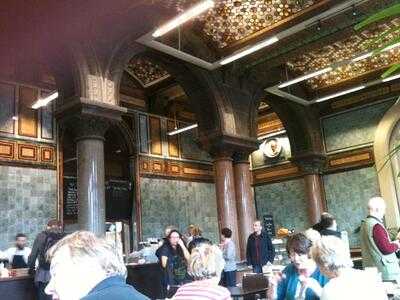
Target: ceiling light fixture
column 184, row 17
column 249, row 50
column 345, row 92
column 391, row 78
column 391, row 47
column 182, row 129
column 43, row 102
column 305, row 77
column 362, row 56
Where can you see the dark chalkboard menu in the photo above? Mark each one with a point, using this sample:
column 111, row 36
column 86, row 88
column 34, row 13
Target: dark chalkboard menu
column 70, row 198
column 269, row 227
column 118, row 199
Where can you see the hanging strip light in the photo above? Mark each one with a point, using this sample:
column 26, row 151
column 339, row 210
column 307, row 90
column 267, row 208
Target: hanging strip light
column 305, row 77
column 184, row 17
column 182, row 129
column 338, row 94
column 43, row 102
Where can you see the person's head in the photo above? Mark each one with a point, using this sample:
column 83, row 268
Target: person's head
column 195, row 231
column 313, row 235
column 173, row 237
column 206, row 262
column 377, row 207
column 168, row 229
column 226, row 233
column 331, row 255
column 20, row 241
column 190, row 230
column 257, row 227
column 298, row 248
column 54, row 225
column 79, row 262
column 328, row 222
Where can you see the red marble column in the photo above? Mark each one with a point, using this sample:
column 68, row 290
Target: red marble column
column 315, row 197
column 312, row 165
column 226, row 199
column 245, row 205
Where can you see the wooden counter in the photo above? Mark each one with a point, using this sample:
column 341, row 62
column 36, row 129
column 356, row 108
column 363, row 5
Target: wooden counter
column 17, row 288
column 146, row 278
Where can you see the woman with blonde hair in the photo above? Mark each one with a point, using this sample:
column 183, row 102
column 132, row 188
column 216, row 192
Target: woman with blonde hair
column 205, row 266
column 333, row 259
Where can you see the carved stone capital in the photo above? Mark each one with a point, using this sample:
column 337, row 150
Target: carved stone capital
column 310, row 163
column 88, row 119
column 224, row 145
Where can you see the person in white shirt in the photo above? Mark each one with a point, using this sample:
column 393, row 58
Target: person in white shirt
column 18, row 255
column 333, row 259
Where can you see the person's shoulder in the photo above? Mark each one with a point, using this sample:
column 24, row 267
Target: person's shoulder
column 124, row 292
column 289, row 269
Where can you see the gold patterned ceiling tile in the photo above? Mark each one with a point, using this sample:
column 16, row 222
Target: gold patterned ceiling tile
column 145, row 71
column 347, row 49
column 233, row 20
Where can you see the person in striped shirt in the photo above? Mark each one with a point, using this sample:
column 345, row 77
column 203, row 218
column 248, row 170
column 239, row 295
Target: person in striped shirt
column 205, row 266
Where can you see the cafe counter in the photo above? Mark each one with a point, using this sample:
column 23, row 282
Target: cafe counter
column 17, row 288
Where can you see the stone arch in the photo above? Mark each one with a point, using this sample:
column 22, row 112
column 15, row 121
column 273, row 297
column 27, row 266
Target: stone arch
column 386, row 177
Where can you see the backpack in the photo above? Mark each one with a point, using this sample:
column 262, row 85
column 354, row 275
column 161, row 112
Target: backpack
column 51, row 239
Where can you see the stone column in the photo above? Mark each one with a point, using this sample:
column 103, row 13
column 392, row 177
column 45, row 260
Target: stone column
column 245, row 205
column 89, row 120
column 312, row 166
column 225, row 192
column 90, row 159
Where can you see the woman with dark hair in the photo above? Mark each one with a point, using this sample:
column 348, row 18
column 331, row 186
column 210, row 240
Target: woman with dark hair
column 174, row 257
column 302, row 278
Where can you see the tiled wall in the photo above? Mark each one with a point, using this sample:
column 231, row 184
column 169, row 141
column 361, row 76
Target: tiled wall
column 347, row 195
column 179, row 203
column 28, row 198
column 286, row 201
column 353, row 128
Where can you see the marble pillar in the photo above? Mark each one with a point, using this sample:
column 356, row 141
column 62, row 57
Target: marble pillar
column 246, row 210
column 315, row 196
column 89, row 133
column 312, row 165
column 226, row 199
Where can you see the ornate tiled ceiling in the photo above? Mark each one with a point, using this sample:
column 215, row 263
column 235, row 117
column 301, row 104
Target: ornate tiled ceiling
column 145, row 71
column 346, row 49
column 233, row 20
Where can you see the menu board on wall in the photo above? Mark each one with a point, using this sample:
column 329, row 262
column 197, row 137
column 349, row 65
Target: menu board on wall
column 70, row 198
column 268, row 222
column 118, row 200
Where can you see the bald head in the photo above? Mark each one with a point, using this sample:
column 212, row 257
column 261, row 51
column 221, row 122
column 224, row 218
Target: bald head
column 377, row 207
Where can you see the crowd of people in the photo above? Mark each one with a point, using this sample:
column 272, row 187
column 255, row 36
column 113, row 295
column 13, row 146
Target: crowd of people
column 83, row 266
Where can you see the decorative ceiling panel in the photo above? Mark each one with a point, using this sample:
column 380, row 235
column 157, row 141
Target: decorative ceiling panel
column 346, row 49
column 233, row 20
column 145, row 71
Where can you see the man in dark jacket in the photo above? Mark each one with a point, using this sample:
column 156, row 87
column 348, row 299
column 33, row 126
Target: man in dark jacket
column 41, row 272
column 260, row 250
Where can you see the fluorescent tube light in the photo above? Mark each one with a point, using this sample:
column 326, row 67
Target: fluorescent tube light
column 362, row 56
column 43, row 102
column 391, row 47
column 305, row 77
column 391, row 78
column 182, row 18
column 183, row 129
column 249, row 50
column 345, row 92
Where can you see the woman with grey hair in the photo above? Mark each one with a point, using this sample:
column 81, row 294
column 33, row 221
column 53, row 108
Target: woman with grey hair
column 333, row 259
column 205, row 266
column 85, row 267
